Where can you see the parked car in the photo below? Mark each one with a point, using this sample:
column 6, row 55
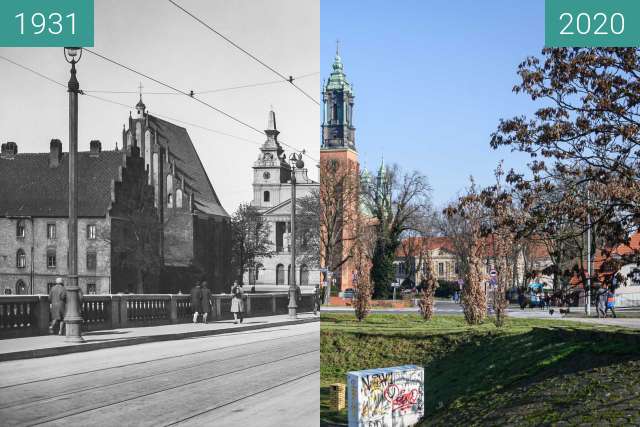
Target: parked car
column 348, row 293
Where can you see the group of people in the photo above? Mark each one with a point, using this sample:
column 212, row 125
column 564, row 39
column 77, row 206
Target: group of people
column 202, row 303
column 605, row 301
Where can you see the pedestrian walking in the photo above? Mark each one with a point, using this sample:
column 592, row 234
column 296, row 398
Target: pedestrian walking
column 316, row 299
column 611, row 302
column 58, row 301
column 601, row 301
column 196, row 301
column 206, row 301
column 237, row 302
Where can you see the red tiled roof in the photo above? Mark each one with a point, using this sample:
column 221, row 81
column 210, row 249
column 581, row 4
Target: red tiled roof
column 29, row 187
column 412, row 245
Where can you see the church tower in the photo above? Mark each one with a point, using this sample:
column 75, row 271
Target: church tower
column 337, row 125
column 271, row 169
column 339, row 149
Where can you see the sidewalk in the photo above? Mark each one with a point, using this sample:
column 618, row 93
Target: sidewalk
column 54, row 345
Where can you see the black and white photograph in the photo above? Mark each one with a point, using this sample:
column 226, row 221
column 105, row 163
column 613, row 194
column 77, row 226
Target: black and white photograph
column 159, row 219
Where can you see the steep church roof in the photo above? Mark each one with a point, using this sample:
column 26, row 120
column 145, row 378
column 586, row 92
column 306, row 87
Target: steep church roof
column 29, row 187
column 187, row 160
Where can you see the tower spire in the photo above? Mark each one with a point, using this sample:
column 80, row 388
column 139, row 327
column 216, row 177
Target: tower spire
column 140, row 107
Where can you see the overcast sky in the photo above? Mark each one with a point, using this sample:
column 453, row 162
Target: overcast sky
column 156, row 38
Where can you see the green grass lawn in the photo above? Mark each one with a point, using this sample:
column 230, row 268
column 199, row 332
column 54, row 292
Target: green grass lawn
column 531, row 372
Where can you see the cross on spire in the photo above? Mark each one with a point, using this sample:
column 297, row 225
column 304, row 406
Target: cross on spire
column 337, row 47
column 140, row 90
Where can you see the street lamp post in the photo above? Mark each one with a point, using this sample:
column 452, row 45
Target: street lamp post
column 296, row 163
column 72, row 318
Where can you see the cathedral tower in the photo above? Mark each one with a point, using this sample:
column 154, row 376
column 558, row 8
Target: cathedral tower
column 339, row 149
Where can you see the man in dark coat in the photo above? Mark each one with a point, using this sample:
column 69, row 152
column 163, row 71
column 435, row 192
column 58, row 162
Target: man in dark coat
column 196, row 301
column 206, row 301
column 58, row 300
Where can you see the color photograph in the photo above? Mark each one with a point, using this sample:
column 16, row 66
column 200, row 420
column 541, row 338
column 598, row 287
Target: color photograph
column 480, row 208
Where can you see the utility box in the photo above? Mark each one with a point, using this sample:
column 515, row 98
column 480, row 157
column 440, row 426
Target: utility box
column 386, row 397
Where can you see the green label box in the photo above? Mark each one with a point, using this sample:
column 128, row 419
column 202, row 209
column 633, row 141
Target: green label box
column 46, row 23
column 592, row 23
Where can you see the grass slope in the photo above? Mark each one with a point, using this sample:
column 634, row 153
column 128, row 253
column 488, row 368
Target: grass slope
column 531, row 372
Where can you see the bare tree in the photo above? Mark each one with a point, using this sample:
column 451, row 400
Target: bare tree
column 472, row 213
column 339, row 211
column 396, row 200
column 250, row 239
column 308, row 229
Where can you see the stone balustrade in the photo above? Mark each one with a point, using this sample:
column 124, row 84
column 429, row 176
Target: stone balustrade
column 25, row 315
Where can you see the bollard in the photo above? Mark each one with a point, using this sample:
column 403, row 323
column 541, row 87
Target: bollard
column 336, row 396
column 173, row 308
column 42, row 314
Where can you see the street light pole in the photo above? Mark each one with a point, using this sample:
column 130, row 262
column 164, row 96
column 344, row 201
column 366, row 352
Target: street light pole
column 72, row 318
column 296, row 163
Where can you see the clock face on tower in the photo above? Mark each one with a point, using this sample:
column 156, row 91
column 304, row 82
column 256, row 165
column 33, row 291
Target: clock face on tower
column 266, row 175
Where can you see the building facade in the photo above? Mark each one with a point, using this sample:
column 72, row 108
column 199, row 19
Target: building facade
column 272, row 199
column 153, row 191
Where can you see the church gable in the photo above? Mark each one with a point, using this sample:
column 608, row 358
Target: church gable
column 283, row 208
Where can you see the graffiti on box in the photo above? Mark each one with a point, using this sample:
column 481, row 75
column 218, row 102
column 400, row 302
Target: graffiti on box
column 386, row 396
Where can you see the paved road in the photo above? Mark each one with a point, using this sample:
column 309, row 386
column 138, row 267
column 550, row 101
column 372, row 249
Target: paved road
column 268, row 377
column 448, row 307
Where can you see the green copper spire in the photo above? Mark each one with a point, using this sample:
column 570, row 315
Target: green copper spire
column 337, row 79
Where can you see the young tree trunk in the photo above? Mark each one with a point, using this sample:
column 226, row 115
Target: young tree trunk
column 474, row 299
column 428, row 293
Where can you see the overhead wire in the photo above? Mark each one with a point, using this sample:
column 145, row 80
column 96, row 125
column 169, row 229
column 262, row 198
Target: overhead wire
column 252, row 56
column 200, row 92
column 91, row 95
column 191, row 95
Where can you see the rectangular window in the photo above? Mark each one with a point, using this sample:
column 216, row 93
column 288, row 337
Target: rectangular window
column 91, row 260
column 91, row 288
column 91, row 231
column 51, row 260
column 440, row 269
column 51, row 231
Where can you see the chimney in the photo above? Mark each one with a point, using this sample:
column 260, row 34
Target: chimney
column 95, row 147
column 8, row 150
column 55, row 153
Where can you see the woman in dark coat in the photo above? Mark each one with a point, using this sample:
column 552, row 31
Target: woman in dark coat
column 58, row 300
column 196, row 301
column 206, row 302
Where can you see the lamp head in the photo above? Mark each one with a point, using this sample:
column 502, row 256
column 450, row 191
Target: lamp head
column 73, row 54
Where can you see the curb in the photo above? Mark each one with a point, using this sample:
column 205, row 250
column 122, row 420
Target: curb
column 78, row 348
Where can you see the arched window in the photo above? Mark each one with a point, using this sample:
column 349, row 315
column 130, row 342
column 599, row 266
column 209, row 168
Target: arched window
column 147, row 154
column 178, row 198
column 21, row 259
column 280, row 274
column 138, row 135
column 169, row 191
column 304, row 275
column 335, row 112
column 267, row 196
column 156, row 172
column 21, row 288
column 20, row 229
column 257, row 272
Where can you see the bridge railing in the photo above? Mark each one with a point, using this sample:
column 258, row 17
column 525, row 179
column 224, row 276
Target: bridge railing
column 25, row 315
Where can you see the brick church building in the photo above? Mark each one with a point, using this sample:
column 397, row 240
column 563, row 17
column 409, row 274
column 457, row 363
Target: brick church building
column 149, row 220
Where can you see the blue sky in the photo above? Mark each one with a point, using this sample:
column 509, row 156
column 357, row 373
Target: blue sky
column 432, row 80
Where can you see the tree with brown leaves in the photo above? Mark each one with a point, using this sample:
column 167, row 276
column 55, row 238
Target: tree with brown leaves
column 471, row 210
